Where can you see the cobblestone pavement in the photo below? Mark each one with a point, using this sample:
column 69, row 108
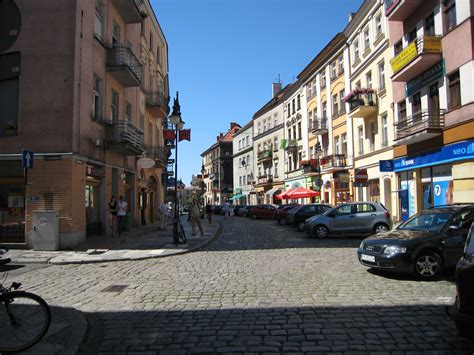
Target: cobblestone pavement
column 259, row 288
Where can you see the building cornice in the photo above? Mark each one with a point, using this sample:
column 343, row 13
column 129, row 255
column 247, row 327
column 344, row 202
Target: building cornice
column 270, row 131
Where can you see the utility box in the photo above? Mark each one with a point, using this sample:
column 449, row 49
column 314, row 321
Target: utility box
column 45, row 230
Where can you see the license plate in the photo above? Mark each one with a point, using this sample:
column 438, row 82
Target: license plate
column 369, row 258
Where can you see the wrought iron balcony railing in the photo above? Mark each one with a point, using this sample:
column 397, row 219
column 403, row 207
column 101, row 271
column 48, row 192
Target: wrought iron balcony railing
column 418, row 122
column 124, row 65
column 333, row 161
column 125, row 138
column 318, row 125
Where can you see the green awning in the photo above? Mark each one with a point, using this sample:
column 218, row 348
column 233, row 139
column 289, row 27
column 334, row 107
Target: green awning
column 236, row 197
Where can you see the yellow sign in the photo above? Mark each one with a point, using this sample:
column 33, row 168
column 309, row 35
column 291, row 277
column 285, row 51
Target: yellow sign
column 431, row 44
column 404, row 57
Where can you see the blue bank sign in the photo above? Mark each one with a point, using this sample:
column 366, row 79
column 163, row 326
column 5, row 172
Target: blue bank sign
column 446, row 154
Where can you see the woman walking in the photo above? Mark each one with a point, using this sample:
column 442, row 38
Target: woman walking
column 195, row 217
column 209, row 213
column 113, row 215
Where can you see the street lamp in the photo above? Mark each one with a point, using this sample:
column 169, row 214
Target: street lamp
column 178, row 124
column 203, row 171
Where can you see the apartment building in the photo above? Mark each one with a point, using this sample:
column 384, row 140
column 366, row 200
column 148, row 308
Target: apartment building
column 295, row 142
column 370, row 112
column 329, row 144
column 86, row 84
column 268, row 123
column 218, row 166
column 243, row 165
column 432, row 62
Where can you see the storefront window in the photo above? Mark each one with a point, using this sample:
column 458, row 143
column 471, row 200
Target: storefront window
column 374, row 190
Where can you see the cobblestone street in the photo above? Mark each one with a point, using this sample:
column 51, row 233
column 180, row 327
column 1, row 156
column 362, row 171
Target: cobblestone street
column 259, row 288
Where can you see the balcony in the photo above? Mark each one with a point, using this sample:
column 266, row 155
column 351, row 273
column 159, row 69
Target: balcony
column 159, row 154
column 419, row 127
column 131, row 11
column 318, row 126
column 418, row 56
column 291, row 145
column 265, row 155
column 310, row 166
column 124, row 138
column 333, row 162
column 157, row 104
column 124, row 66
column 399, row 10
column 264, row 179
column 363, row 105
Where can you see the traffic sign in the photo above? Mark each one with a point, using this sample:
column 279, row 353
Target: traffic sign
column 27, row 159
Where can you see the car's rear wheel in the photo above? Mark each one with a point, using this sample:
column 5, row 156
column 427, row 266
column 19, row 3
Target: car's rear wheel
column 321, row 231
column 300, row 226
column 428, row 265
column 380, row 228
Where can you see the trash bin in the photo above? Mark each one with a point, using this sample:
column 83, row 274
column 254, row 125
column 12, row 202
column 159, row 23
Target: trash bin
column 45, row 230
column 127, row 221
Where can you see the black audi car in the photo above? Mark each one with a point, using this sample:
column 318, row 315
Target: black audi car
column 425, row 244
column 463, row 309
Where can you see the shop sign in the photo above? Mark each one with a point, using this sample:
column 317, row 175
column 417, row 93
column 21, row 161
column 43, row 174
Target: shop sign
column 52, row 157
column 445, row 154
column 170, row 182
column 404, row 57
column 295, row 183
column 386, row 166
column 95, row 171
column 425, row 78
column 341, row 177
column 431, row 44
column 360, row 176
column 145, row 163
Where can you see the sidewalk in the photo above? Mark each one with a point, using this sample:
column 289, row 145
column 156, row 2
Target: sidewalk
column 140, row 243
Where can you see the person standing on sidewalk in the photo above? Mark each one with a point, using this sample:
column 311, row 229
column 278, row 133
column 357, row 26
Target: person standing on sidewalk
column 226, row 210
column 121, row 213
column 113, row 216
column 209, row 212
column 164, row 215
column 195, row 217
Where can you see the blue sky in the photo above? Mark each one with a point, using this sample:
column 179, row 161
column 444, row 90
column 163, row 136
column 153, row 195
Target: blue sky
column 225, row 54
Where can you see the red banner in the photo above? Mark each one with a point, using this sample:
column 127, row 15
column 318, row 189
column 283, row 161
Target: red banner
column 169, row 134
column 185, row 135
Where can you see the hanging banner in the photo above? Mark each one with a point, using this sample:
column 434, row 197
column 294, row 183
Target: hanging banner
column 185, row 135
column 169, row 134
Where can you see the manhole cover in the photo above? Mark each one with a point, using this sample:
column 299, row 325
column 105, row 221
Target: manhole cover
column 115, row 288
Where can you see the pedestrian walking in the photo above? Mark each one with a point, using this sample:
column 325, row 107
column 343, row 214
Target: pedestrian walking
column 121, row 213
column 194, row 217
column 164, row 215
column 209, row 212
column 226, row 210
column 113, row 216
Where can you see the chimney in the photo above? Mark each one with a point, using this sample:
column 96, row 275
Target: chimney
column 351, row 16
column 276, row 88
column 233, row 124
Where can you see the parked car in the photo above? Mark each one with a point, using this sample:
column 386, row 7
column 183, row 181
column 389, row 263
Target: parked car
column 262, row 212
column 297, row 216
column 463, row 309
column 282, row 212
column 350, row 218
column 425, row 244
column 217, row 209
column 236, row 209
column 244, row 211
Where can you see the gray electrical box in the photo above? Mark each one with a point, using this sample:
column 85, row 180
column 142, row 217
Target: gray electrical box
column 45, row 230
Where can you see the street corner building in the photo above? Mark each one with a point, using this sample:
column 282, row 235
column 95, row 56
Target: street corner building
column 84, row 86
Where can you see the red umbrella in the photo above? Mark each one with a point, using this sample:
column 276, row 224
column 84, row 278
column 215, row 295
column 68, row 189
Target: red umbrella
column 283, row 195
column 301, row 192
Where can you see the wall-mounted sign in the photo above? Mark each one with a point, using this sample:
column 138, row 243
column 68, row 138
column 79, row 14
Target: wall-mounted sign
column 145, row 163
column 52, row 157
column 360, row 176
column 95, row 171
column 386, row 166
column 404, row 57
column 425, row 78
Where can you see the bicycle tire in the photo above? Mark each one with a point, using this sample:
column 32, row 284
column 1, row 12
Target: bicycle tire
column 9, row 304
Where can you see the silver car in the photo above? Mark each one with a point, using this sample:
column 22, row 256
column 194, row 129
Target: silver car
column 350, row 218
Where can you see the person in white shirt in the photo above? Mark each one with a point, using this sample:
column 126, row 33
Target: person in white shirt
column 164, row 215
column 121, row 213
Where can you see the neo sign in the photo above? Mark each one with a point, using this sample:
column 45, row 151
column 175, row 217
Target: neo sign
column 27, row 159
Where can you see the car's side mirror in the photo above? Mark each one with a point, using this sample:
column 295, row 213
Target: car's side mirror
column 454, row 226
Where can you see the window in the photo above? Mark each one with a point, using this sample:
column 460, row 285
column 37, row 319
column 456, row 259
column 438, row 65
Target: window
column 323, row 79
column 364, row 207
column 275, row 143
column 298, row 102
column 341, row 64
column 289, row 132
column 294, row 132
column 333, row 70
column 293, row 106
column 416, row 103
column 99, row 19
column 158, row 55
column 402, row 110
column 96, row 98
column 334, row 105
column 430, row 25
column 344, row 209
column 344, row 143
column 366, row 39
column 276, row 169
column 128, row 112
column 324, row 110
column 247, row 141
column 310, row 118
column 240, row 147
column 299, row 131
column 314, row 86
column 264, row 124
column 308, row 91
column 337, row 145
column 398, row 47
column 342, row 105
column 247, row 161
column 150, row 134
column 356, row 51
column 378, row 25
column 412, row 35
column 384, row 125
column 259, row 127
column 288, row 110
column 151, row 41
column 114, row 107
column 372, row 136
column 361, row 140
column 116, row 33
column 449, row 14
column 311, row 152
column 275, row 117
column 368, row 79
column 381, row 75
column 454, row 90
column 142, row 121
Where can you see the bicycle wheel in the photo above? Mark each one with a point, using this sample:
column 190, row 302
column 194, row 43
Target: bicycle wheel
column 24, row 320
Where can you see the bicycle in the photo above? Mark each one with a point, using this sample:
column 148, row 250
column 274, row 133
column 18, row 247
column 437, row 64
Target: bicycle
column 178, row 231
column 24, row 317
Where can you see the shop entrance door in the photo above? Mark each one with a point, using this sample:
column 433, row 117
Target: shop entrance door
column 93, row 223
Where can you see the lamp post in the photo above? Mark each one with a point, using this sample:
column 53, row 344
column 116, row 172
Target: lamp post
column 203, row 171
column 178, row 124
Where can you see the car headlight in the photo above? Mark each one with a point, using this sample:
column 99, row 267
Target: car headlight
column 394, row 250
column 361, row 246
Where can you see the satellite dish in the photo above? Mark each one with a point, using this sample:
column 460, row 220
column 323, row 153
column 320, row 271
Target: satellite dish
column 10, row 24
